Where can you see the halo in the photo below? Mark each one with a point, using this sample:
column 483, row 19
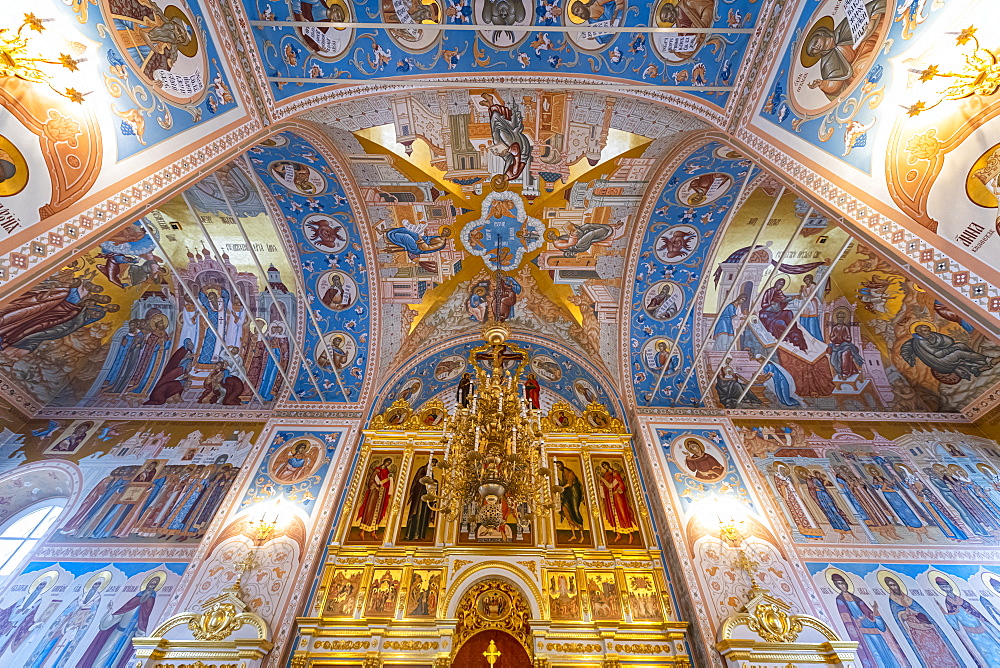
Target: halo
column 932, row 577
column 804, row 58
column 572, row 17
column 985, row 468
column 175, row 12
column 155, row 574
column 656, row 14
column 830, row 571
column 904, row 467
column 979, row 175
column 989, row 579
column 781, row 465
column 51, row 578
column 105, row 576
column 883, row 574
column 917, row 323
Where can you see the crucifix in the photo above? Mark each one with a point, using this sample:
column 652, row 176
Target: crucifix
column 492, row 654
column 498, row 355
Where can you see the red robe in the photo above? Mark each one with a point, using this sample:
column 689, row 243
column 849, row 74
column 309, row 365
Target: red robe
column 614, row 499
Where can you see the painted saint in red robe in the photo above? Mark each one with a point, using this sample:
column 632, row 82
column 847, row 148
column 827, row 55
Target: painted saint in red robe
column 618, row 511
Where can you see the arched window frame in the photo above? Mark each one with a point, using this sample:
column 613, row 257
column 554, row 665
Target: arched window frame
column 9, row 565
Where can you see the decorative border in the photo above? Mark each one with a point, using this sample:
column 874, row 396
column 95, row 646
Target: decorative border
column 153, row 414
column 798, row 414
column 898, row 554
column 155, row 551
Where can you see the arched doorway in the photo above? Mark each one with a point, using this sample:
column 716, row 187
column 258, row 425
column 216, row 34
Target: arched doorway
column 492, row 610
column 510, row 652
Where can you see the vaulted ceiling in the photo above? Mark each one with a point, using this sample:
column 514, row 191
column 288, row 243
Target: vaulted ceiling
column 279, row 212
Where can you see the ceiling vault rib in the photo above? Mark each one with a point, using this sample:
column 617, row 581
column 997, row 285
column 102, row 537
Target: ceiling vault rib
column 439, row 27
column 267, row 285
column 729, row 294
column 753, row 308
column 795, row 317
column 465, row 84
column 694, row 301
column 233, row 359
column 238, row 295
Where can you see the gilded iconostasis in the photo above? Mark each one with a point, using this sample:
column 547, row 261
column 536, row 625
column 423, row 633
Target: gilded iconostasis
column 564, row 334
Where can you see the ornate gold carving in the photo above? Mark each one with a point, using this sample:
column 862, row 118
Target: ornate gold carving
column 410, row 645
column 382, row 561
column 644, row 648
column 342, row 644
column 559, row 563
column 599, row 564
column 774, row 624
column 196, row 664
column 217, row 622
column 395, row 417
column 573, row 647
column 530, row 565
column 492, row 604
column 461, row 563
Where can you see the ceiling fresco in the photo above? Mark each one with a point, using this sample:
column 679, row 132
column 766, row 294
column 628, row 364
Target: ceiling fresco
column 574, row 37
column 563, row 378
column 143, row 72
column 866, row 336
column 866, row 103
column 544, row 185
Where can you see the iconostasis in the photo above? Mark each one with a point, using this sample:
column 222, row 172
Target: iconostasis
column 584, row 577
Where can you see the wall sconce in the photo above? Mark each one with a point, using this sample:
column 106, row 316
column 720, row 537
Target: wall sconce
column 733, row 533
column 21, row 57
column 261, row 531
column 979, row 75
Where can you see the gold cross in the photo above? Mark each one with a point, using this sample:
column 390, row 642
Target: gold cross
column 492, row 654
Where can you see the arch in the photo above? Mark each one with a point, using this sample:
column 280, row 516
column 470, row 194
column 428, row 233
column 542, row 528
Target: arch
column 424, row 362
column 487, row 570
column 513, row 653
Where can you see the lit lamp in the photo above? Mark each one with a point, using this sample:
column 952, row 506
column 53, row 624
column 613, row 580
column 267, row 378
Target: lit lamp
column 730, row 515
column 261, row 530
column 979, row 74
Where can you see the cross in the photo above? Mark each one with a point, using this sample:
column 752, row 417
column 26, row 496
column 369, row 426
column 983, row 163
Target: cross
column 492, row 654
column 498, row 355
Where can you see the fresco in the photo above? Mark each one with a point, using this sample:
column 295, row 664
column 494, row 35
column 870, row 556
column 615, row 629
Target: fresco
column 836, row 72
column 675, row 246
column 437, row 378
column 80, row 613
column 914, row 614
column 543, row 184
column 143, row 72
column 293, row 469
column 861, row 334
column 114, row 328
column 705, row 60
column 333, row 264
column 143, row 482
column 885, row 484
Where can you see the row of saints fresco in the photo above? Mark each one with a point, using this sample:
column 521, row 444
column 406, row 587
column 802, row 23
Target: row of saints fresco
column 594, row 45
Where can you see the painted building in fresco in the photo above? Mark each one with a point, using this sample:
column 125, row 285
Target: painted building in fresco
column 742, row 252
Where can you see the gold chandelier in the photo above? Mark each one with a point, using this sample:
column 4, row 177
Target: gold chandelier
column 19, row 57
column 494, row 453
column 978, row 75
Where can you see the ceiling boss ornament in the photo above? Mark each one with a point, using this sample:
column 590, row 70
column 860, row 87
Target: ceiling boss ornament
column 494, row 455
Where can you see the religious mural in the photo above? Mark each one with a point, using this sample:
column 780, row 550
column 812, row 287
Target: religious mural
column 543, row 185
column 914, row 614
column 693, row 204
column 82, row 613
column 572, row 517
column 705, row 63
column 439, row 377
column 143, row 482
column 308, row 191
column 891, row 484
column 293, row 469
column 153, row 68
column 793, row 318
column 173, row 310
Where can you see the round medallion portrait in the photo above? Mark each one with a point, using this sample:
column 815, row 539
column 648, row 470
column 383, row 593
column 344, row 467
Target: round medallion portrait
column 676, row 244
column 494, row 605
column 660, row 357
column 296, row 460
column 703, row 189
column 699, row 458
column 325, row 233
column 546, row 368
column 336, row 290
column 326, row 42
column 298, row 177
column 337, row 351
column 663, row 300
column 13, row 169
column 450, row 368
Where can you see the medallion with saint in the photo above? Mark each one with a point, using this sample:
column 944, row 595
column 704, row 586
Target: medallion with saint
column 296, row 461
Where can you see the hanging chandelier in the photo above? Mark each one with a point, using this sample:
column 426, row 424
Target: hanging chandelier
column 978, row 74
column 20, row 57
column 494, row 454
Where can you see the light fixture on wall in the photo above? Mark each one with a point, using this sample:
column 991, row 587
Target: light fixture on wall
column 977, row 74
column 494, row 453
column 259, row 530
column 22, row 57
